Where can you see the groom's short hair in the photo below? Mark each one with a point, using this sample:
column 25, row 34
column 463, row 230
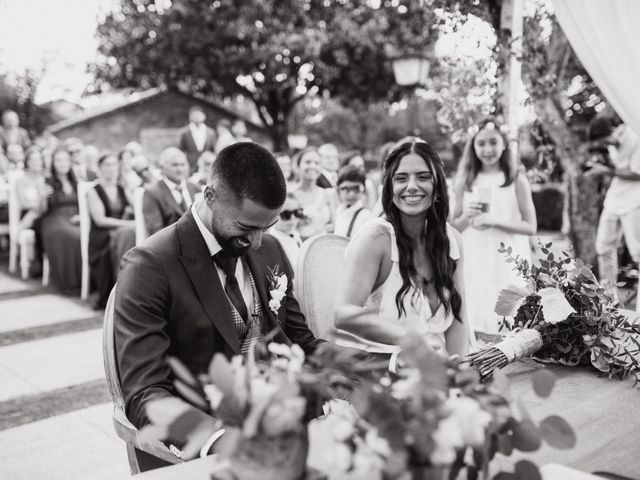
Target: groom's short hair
column 249, row 170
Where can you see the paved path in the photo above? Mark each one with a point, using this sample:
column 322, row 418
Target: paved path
column 55, row 409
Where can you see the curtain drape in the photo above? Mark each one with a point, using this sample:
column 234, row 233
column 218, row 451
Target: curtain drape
column 602, row 34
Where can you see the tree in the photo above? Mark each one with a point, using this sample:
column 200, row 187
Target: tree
column 17, row 93
column 273, row 52
column 564, row 98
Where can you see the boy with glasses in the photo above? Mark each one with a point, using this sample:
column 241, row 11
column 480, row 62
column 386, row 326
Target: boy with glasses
column 351, row 214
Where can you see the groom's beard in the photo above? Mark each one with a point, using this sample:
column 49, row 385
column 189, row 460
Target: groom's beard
column 234, row 246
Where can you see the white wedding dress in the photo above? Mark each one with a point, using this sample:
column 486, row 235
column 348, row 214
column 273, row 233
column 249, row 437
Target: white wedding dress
column 417, row 316
column 486, row 271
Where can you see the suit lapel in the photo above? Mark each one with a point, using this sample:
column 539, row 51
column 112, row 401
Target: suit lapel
column 172, row 201
column 260, row 271
column 201, row 269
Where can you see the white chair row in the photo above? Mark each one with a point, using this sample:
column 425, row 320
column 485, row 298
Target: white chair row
column 21, row 240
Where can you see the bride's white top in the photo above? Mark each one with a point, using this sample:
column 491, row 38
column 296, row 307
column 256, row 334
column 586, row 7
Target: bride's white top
column 417, row 315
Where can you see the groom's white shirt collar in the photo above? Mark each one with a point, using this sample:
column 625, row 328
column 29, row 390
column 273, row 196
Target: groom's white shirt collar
column 214, row 247
column 212, row 244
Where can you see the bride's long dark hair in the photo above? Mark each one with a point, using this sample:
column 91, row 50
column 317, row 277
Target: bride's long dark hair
column 435, row 230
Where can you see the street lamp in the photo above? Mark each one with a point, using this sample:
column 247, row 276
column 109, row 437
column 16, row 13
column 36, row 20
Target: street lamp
column 411, row 70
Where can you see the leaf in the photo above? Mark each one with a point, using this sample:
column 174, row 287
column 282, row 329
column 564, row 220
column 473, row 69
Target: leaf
column 554, row 305
column 543, row 382
column 557, row 432
column 526, row 436
column 509, row 300
column 221, row 374
column 526, row 470
column 505, row 444
column 505, row 476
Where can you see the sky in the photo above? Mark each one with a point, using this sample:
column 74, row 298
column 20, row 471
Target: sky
column 60, row 35
column 57, row 32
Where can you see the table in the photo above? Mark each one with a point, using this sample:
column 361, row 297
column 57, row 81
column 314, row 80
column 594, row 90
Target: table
column 605, row 414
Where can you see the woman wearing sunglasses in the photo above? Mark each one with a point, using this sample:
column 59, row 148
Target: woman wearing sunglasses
column 286, row 229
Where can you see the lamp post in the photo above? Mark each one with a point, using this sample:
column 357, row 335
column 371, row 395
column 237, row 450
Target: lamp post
column 411, row 70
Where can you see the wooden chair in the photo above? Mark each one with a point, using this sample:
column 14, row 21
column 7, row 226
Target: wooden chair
column 317, row 279
column 138, row 215
column 123, row 427
column 316, row 283
column 22, row 240
column 85, row 230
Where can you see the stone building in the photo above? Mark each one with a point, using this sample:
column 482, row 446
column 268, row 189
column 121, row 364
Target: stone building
column 151, row 118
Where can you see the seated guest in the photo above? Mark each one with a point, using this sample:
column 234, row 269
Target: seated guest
column 286, row 229
column 4, row 188
column 86, row 165
column 129, row 178
column 167, row 200
column 315, row 200
column 355, row 159
column 239, row 131
column 351, row 214
column 15, row 154
column 142, row 167
column 205, row 160
column 32, row 198
column 61, row 225
column 330, row 163
column 286, row 165
column 112, row 227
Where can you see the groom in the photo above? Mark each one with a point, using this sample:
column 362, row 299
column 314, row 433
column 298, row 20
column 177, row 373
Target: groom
column 201, row 285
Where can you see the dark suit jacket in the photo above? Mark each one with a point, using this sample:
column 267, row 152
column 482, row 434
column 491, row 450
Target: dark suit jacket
column 160, row 208
column 170, row 301
column 323, row 182
column 188, row 146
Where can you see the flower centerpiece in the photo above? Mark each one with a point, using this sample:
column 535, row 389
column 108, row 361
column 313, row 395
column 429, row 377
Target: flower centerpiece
column 563, row 315
column 261, row 411
column 435, row 420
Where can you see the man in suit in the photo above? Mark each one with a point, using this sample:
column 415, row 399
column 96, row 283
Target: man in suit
column 201, row 286
column 166, row 201
column 196, row 137
column 330, row 163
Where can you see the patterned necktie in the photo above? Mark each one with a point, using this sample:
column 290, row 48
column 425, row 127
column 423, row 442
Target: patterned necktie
column 231, row 287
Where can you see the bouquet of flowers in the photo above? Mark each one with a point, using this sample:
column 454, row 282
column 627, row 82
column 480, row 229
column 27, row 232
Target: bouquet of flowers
column 562, row 315
column 435, row 419
column 256, row 412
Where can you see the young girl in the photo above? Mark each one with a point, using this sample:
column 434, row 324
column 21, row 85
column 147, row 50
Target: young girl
column 493, row 204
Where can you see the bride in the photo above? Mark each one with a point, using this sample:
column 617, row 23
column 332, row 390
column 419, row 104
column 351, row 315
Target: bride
column 403, row 273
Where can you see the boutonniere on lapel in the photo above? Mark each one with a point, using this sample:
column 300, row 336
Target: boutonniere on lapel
column 277, row 288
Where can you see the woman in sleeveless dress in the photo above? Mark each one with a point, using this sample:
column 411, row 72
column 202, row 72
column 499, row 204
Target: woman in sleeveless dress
column 403, row 273
column 493, row 205
column 314, row 200
column 60, row 225
column 112, row 227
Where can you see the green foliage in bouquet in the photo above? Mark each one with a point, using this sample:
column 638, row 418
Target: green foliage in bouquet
column 576, row 316
column 435, row 414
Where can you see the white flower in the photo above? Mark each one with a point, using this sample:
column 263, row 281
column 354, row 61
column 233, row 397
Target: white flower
column 277, row 295
column 471, row 418
column 274, row 306
column 278, row 290
column 447, row 438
